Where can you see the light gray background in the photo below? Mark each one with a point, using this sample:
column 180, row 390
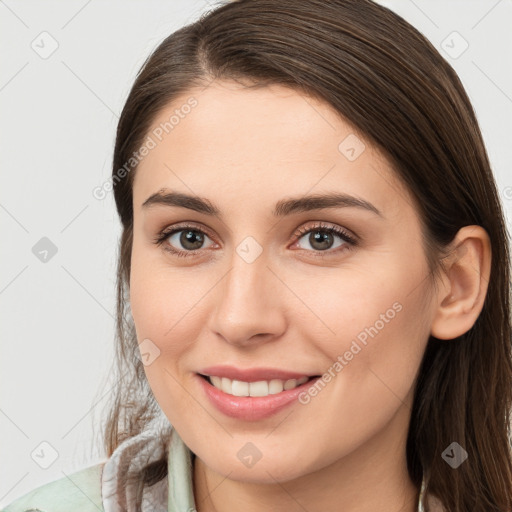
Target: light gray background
column 58, row 122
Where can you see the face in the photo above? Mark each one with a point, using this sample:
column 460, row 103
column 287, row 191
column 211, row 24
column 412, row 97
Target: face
column 262, row 292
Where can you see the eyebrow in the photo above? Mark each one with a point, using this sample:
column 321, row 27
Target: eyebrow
column 282, row 208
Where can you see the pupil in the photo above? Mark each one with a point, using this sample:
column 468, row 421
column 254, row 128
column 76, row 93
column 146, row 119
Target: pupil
column 320, row 237
column 187, row 237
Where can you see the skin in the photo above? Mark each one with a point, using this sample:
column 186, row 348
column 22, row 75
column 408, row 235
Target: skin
column 245, row 149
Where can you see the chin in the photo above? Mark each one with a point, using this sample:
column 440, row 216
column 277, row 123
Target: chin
column 266, row 470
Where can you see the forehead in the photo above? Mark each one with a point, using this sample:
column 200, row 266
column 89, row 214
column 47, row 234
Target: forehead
column 258, row 142
column 229, row 115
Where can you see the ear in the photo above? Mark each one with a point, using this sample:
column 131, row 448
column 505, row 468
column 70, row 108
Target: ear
column 460, row 298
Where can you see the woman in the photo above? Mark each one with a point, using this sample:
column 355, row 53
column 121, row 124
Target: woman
column 314, row 277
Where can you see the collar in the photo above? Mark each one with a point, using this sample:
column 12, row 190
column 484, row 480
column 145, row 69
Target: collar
column 180, row 475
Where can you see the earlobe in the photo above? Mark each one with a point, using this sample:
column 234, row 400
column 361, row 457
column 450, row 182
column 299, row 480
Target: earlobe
column 467, row 271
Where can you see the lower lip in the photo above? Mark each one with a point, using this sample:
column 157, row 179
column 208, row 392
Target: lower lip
column 252, row 408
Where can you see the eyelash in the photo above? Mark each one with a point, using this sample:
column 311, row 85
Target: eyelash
column 349, row 240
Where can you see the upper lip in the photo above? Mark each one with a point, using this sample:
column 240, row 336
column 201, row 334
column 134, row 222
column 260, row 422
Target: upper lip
column 251, row 374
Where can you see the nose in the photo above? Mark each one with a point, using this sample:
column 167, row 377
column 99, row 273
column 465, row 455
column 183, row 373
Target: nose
column 248, row 306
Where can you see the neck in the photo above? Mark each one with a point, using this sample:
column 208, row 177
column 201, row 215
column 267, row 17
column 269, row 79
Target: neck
column 372, row 477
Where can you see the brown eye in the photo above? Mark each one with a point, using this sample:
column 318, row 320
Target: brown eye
column 187, row 239
column 182, row 240
column 320, row 240
column 323, row 237
column 190, row 239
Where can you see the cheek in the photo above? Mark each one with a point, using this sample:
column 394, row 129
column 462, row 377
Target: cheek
column 162, row 314
column 373, row 323
column 165, row 303
column 348, row 302
column 372, row 358
column 155, row 305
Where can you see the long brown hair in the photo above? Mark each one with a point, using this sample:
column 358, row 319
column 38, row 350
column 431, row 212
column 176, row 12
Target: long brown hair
column 386, row 79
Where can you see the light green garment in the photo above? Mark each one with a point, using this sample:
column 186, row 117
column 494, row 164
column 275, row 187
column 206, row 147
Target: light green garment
column 81, row 491
column 78, row 492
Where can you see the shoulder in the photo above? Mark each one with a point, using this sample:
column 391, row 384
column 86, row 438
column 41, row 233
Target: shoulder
column 80, row 492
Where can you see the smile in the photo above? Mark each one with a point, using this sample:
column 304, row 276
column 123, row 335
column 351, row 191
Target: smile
column 251, row 399
column 258, row 388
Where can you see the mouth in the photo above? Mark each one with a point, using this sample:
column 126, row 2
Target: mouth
column 259, row 388
column 255, row 400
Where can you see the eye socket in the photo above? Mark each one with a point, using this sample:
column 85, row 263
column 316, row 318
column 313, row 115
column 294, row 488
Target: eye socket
column 189, row 233
column 329, row 231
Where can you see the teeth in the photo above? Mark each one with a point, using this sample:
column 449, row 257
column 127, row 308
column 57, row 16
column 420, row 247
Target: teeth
column 216, row 381
column 239, row 388
column 275, row 386
column 290, row 384
column 259, row 388
column 226, row 385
